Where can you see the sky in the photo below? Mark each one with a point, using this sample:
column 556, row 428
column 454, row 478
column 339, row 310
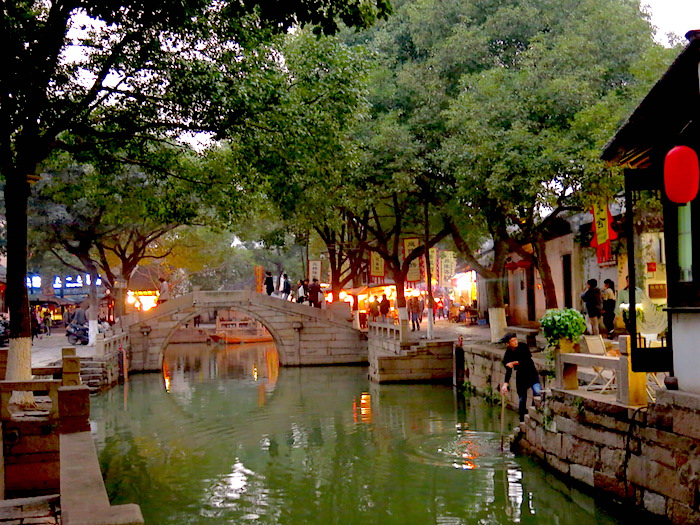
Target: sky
column 676, row 16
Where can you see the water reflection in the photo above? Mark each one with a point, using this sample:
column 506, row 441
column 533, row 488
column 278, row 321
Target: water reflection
column 232, row 439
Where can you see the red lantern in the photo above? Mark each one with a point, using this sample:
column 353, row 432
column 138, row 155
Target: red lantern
column 522, row 263
column 511, row 265
column 681, row 174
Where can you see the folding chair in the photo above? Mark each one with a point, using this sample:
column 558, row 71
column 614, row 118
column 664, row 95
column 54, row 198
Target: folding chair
column 596, row 346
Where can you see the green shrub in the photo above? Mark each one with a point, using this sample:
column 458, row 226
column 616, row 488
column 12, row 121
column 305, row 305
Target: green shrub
column 564, row 323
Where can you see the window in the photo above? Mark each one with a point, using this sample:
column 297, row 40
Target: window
column 685, row 244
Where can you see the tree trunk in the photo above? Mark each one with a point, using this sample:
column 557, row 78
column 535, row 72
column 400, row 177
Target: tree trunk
column 550, row 294
column 428, row 272
column 497, row 311
column 19, row 356
column 400, row 282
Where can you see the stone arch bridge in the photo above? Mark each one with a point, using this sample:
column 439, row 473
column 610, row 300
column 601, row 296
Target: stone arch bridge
column 304, row 335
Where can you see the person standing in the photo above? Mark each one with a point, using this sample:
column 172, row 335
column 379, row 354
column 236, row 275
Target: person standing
column 314, row 294
column 519, row 359
column 374, row 309
column 609, row 301
column 67, row 316
column 269, row 283
column 384, row 307
column 79, row 318
column 414, row 311
column 593, row 300
column 301, row 292
column 47, row 321
column 164, row 293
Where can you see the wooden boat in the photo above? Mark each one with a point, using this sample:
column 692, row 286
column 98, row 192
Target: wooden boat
column 236, row 332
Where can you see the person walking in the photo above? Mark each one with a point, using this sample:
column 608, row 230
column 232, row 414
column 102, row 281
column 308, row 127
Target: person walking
column 314, row 294
column 593, row 301
column 519, row 359
column 384, row 307
column 609, row 301
column 164, row 293
column 269, row 283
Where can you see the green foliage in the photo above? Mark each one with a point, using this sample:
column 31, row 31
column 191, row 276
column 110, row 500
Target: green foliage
column 469, row 388
column 564, row 323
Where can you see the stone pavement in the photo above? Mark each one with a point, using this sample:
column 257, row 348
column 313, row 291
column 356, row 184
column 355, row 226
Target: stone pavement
column 46, row 350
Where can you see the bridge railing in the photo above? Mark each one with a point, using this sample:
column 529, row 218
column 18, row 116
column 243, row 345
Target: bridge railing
column 111, row 342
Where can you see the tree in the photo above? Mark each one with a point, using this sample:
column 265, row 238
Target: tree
column 303, row 151
column 505, row 105
column 525, row 134
column 145, row 73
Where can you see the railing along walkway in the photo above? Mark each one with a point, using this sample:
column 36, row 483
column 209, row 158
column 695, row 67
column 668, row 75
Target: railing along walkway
column 631, row 387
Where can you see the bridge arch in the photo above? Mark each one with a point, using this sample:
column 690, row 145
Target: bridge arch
column 303, row 335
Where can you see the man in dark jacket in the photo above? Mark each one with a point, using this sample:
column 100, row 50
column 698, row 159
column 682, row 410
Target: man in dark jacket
column 593, row 300
column 314, row 292
column 519, row 358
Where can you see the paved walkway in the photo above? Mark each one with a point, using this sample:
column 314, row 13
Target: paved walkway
column 46, row 350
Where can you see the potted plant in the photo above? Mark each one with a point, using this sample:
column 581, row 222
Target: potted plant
column 562, row 328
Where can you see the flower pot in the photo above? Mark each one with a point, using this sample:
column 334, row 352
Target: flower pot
column 566, row 346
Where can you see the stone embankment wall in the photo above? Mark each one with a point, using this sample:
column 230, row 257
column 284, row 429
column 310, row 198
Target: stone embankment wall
column 645, row 456
column 485, row 373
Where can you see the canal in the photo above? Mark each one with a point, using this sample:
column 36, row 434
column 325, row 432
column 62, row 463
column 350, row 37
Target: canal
column 224, row 436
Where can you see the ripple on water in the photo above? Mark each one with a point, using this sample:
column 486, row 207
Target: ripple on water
column 458, row 449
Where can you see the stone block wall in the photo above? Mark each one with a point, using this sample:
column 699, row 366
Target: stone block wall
column 31, row 454
column 485, row 373
column 429, row 361
column 644, row 456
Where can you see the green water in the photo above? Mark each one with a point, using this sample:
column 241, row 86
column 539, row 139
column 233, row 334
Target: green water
column 225, row 437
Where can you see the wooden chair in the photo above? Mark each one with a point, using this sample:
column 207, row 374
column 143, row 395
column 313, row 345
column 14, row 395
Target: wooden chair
column 596, row 346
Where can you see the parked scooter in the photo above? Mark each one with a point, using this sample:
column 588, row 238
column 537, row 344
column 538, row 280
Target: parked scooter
column 77, row 334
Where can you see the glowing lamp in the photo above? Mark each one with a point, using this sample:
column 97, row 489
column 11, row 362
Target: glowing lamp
column 681, row 174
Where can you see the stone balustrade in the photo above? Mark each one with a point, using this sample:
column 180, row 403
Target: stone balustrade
column 111, row 342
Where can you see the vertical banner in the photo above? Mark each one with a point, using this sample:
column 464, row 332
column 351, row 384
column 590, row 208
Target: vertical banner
column 434, row 266
column 314, row 270
column 259, row 277
column 409, row 245
column 449, row 266
column 376, row 265
column 600, row 216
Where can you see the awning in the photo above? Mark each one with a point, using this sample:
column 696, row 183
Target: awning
column 41, row 298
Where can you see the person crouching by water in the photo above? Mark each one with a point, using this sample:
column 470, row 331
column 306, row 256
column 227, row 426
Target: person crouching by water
column 519, row 358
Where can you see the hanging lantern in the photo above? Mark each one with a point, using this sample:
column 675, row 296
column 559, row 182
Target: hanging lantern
column 511, row 266
column 522, row 263
column 681, row 174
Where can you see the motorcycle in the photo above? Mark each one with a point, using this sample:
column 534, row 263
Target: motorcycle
column 77, row 334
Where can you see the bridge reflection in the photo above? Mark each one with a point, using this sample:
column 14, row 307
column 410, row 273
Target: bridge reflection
column 186, row 364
